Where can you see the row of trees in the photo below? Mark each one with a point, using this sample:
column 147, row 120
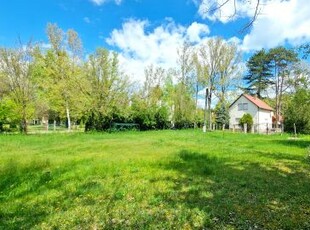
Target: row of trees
column 58, row 84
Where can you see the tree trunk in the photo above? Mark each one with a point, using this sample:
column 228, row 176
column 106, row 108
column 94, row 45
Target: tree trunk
column 209, row 109
column 24, row 128
column 68, row 117
column 205, row 111
column 277, row 97
column 196, row 112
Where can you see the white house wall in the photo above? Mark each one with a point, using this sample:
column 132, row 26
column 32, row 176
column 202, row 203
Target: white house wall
column 235, row 114
column 265, row 120
column 260, row 117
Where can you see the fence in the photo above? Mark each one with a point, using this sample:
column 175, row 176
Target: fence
column 264, row 128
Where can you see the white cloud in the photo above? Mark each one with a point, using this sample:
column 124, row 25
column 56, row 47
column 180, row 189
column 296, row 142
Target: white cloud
column 196, row 30
column 87, row 20
column 141, row 46
column 101, row 2
column 280, row 22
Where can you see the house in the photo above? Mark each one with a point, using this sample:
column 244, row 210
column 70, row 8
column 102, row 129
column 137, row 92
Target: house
column 259, row 110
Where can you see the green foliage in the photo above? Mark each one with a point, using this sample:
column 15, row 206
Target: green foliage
column 8, row 120
column 16, row 80
column 106, row 91
column 246, row 119
column 307, row 157
column 184, row 107
column 297, row 112
column 149, row 116
column 221, row 114
column 259, row 74
column 172, row 179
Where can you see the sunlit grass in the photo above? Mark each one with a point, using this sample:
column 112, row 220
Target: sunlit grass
column 156, row 180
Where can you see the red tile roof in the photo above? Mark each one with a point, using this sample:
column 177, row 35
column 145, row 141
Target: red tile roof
column 259, row 103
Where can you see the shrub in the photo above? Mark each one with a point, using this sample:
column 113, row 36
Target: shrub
column 246, row 119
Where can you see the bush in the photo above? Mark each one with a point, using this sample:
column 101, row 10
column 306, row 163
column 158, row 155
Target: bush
column 297, row 113
column 246, row 119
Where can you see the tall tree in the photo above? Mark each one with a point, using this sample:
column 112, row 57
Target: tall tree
column 59, row 72
column 200, row 72
column 297, row 112
column 149, row 105
column 105, row 89
column 184, row 88
column 282, row 63
column 211, row 55
column 16, row 80
column 228, row 71
column 259, row 74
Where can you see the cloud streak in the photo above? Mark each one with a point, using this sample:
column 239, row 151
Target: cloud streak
column 101, row 2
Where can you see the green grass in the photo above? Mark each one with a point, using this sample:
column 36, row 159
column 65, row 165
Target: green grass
column 154, row 180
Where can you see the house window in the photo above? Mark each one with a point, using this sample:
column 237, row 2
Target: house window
column 237, row 120
column 242, row 106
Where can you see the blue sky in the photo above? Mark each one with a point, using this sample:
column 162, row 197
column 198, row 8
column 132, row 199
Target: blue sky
column 94, row 22
column 149, row 32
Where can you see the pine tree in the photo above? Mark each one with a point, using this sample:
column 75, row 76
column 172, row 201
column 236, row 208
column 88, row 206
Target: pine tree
column 259, row 73
column 222, row 114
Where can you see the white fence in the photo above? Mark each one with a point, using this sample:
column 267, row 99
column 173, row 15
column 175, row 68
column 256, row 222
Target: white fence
column 264, row 128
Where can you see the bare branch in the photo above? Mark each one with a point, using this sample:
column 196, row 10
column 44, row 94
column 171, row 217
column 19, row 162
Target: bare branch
column 250, row 23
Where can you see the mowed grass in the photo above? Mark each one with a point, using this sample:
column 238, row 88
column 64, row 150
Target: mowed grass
column 154, row 180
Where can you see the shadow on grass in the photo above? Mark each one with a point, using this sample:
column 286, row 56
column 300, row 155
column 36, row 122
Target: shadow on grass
column 240, row 195
column 294, row 142
column 20, row 189
column 280, row 156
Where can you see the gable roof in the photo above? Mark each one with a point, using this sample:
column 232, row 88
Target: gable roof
column 256, row 101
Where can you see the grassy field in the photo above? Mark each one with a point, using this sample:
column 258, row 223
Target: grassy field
column 154, row 180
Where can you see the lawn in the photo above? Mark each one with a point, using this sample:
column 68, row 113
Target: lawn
column 154, row 180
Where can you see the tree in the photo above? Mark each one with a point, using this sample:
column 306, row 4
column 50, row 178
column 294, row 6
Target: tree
column 184, row 107
column 16, row 80
column 228, row 71
column 185, row 61
column 183, row 110
column 259, row 75
column 282, row 62
column 200, row 71
column 297, row 112
column 8, row 119
column 106, row 91
column 300, row 76
column 58, row 73
column 305, row 49
column 222, row 114
column 149, row 105
column 211, row 54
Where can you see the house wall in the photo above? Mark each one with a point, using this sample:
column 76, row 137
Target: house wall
column 264, row 121
column 260, row 117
